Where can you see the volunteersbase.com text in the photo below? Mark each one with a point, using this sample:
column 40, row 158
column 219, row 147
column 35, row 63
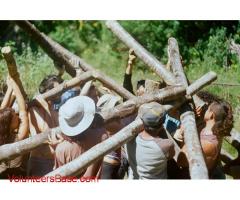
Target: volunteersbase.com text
column 51, row 179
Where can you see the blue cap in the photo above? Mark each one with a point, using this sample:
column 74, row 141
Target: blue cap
column 64, row 97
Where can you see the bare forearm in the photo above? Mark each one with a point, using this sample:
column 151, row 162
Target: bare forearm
column 24, row 127
column 7, row 98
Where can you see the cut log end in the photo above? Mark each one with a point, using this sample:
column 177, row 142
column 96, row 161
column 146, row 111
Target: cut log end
column 6, row 50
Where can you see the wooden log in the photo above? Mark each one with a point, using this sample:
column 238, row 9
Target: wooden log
column 51, row 50
column 71, row 61
column 141, row 52
column 94, row 154
column 197, row 165
column 112, row 85
column 86, row 76
column 205, row 80
column 10, row 151
column 128, row 108
column 85, row 89
column 131, row 106
column 12, row 68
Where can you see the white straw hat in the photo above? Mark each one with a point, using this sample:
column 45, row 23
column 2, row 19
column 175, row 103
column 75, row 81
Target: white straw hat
column 76, row 115
column 107, row 101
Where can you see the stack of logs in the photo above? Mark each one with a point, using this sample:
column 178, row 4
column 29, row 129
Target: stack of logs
column 178, row 93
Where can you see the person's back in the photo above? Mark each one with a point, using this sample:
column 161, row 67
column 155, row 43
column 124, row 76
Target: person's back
column 149, row 157
column 149, row 152
column 81, row 130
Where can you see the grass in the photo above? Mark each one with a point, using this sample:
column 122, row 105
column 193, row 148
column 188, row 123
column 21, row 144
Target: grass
column 33, row 67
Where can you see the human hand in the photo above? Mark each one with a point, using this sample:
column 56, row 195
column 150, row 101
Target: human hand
column 178, row 135
column 131, row 56
column 54, row 140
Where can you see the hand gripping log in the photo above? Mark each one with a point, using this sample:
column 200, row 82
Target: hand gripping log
column 9, row 151
column 197, row 165
column 141, row 52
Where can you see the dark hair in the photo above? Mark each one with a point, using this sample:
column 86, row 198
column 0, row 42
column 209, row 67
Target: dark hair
column 6, row 115
column 153, row 130
column 227, row 123
column 141, row 83
column 48, row 83
column 1, row 97
column 221, row 112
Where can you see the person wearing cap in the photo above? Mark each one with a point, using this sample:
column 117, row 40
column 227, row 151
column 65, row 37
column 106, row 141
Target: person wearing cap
column 150, row 150
column 43, row 115
column 81, row 129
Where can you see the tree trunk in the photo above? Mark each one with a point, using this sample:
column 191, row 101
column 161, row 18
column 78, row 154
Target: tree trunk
column 141, row 52
column 12, row 69
column 112, row 85
column 197, row 165
column 97, row 152
column 51, row 50
column 85, row 89
column 127, row 108
column 84, row 77
column 10, row 151
column 131, row 106
column 71, row 61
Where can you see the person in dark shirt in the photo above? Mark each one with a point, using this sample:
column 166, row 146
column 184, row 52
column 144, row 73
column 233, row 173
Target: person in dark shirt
column 127, row 82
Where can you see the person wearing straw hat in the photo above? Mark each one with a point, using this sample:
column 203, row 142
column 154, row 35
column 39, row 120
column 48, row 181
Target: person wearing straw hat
column 81, row 130
column 43, row 115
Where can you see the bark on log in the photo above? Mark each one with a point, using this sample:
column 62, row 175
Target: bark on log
column 141, row 52
column 71, row 61
column 86, row 76
column 9, row 151
column 12, row 68
column 51, row 50
column 197, row 165
column 196, row 86
column 77, row 166
column 85, row 89
column 112, row 85
column 131, row 106
column 127, row 107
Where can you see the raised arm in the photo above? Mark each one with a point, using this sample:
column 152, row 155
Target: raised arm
column 127, row 82
column 23, row 127
column 17, row 87
column 7, row 98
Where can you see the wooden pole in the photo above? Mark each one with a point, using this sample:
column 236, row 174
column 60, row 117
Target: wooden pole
column 122, row 110
column 51, row 50
column 141, row 52
column 84, row 77
column 12, row 68
column 197, row 165
column 62, row 55
column 10, row 151
column 111, row 84
column 131, row 106
column 79, row 164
